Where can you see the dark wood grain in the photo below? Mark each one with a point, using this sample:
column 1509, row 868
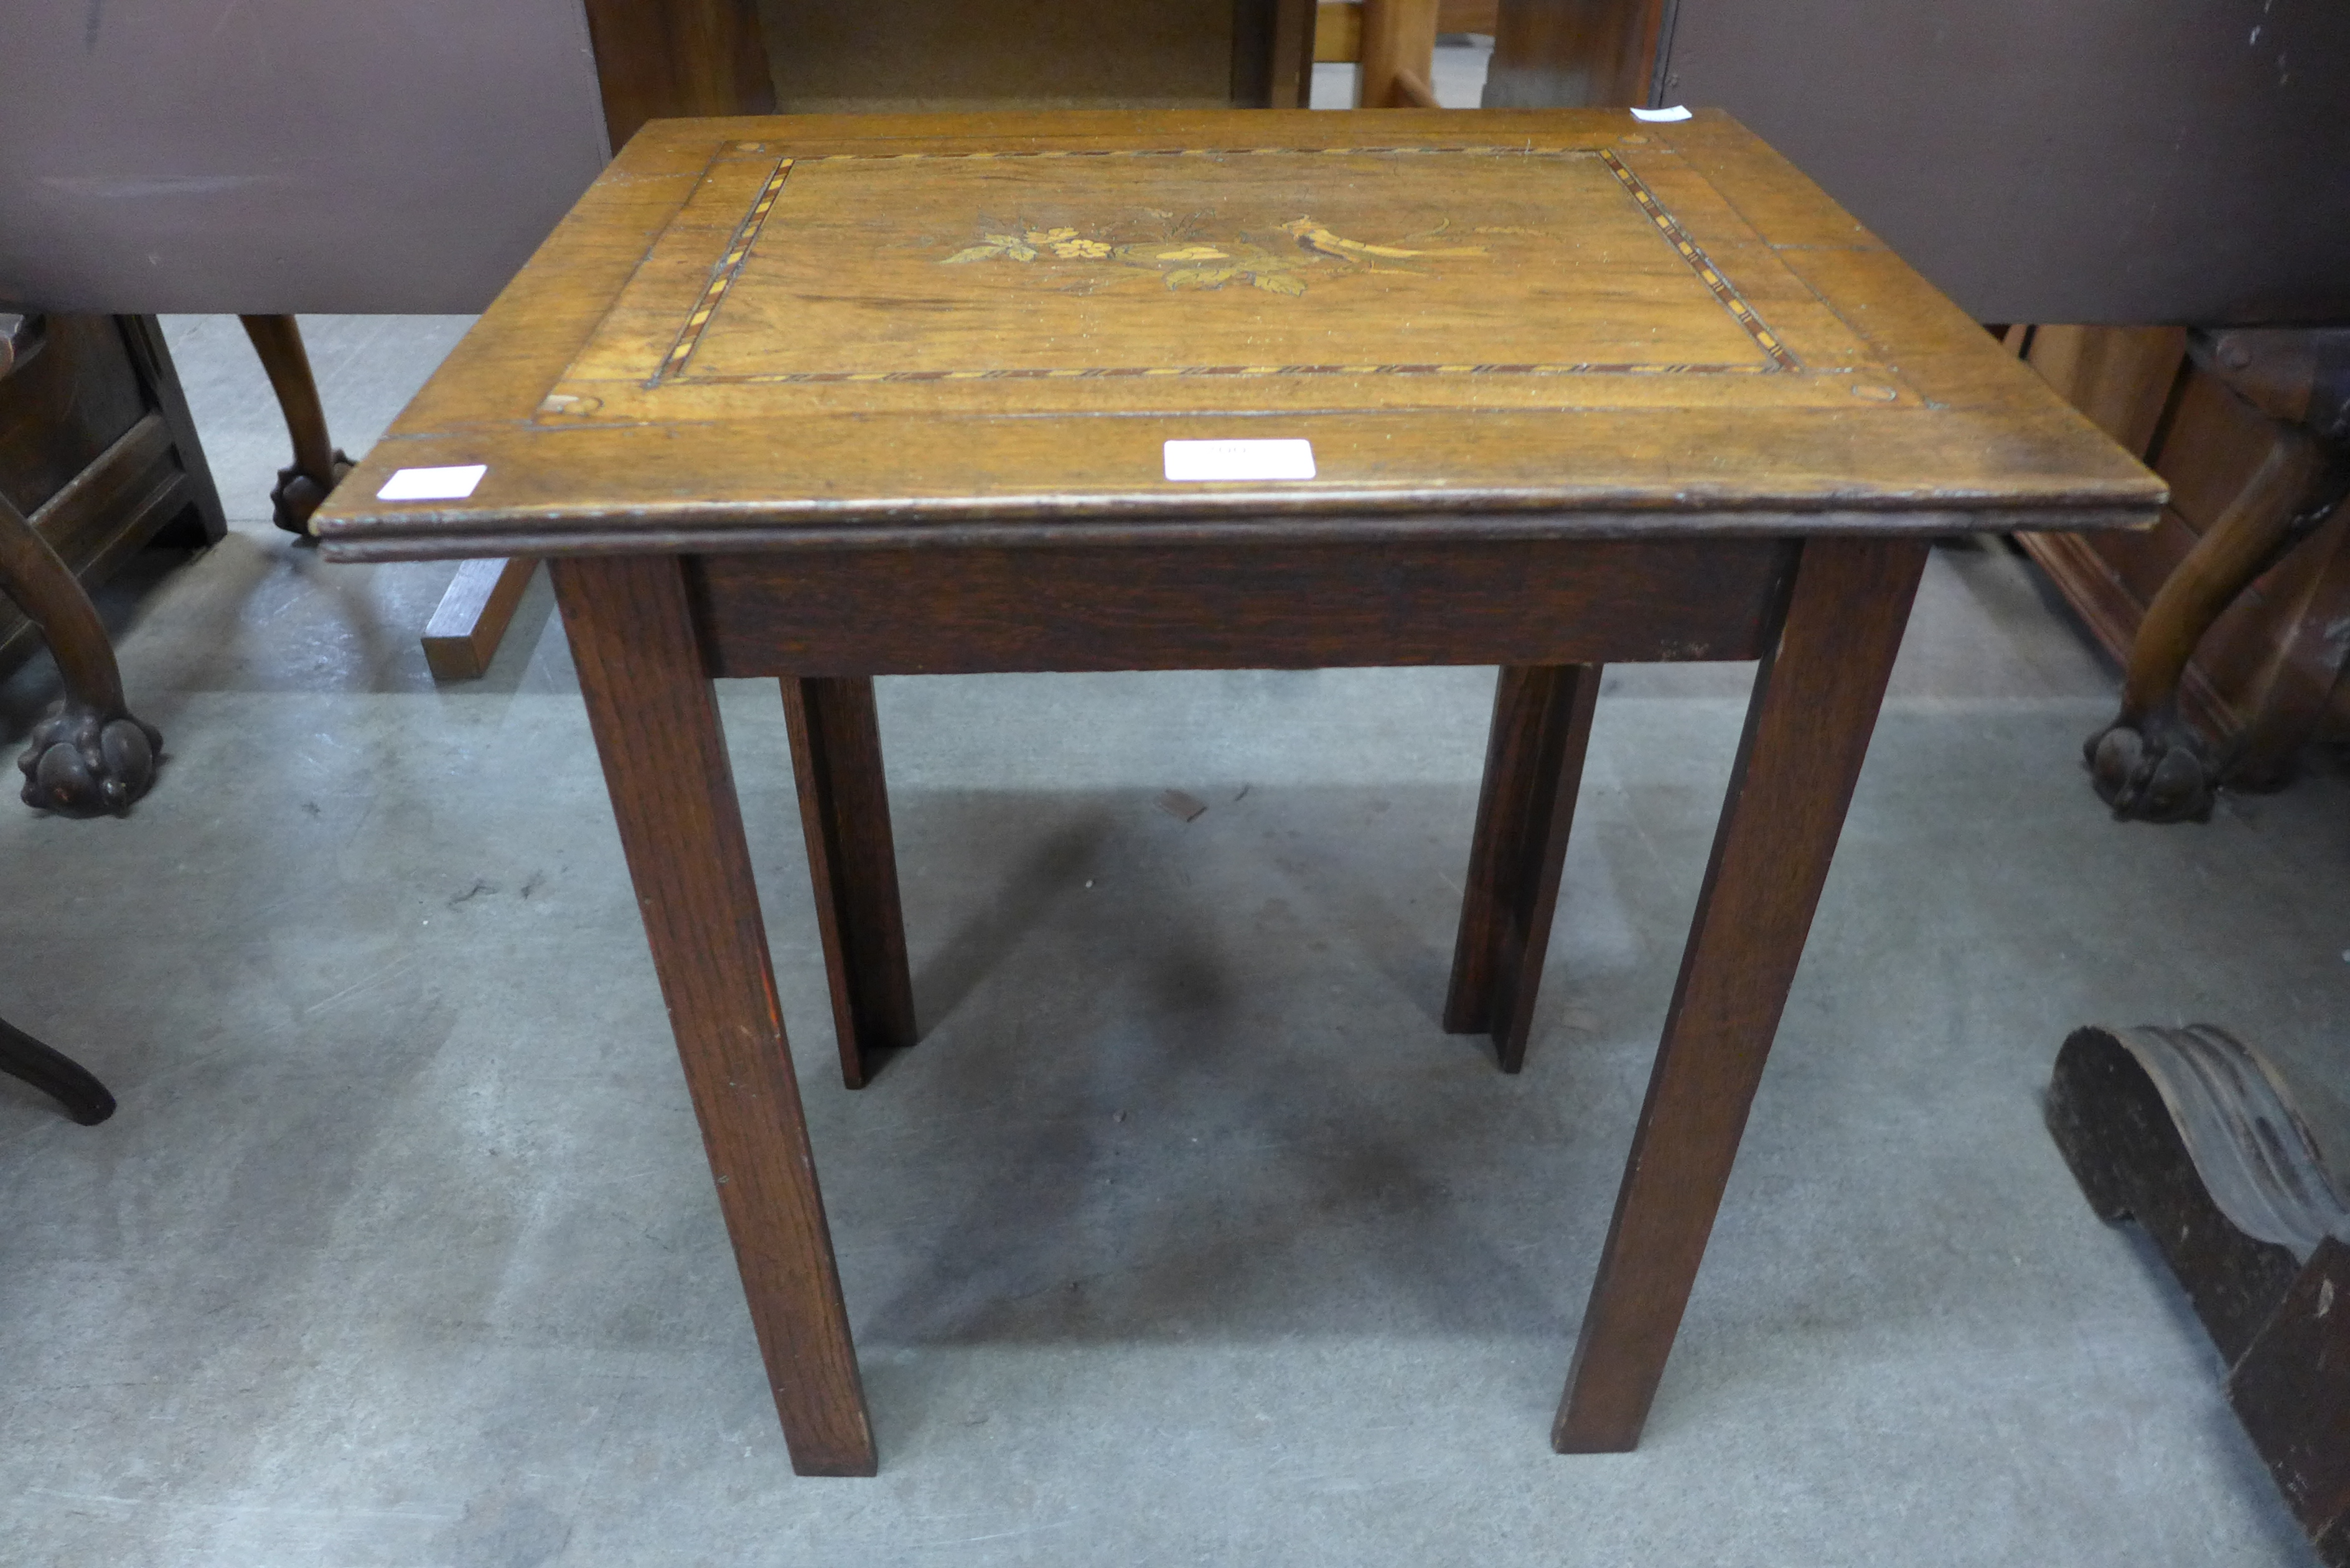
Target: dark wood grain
column 96, row 445
column 895, row 56
column 1574, row 53
column 1807, row 730
column 2194, row 1133
column 1287, row 29
column 2292, row 1391
column 204, row 520
column 659, row 59
column 2125, row 1136
column 845, row 814
column 62, row 404
column 1207, row 606
column 1534, row 765
column 656, row 722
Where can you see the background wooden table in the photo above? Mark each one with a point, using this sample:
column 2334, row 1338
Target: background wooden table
column 826, row 398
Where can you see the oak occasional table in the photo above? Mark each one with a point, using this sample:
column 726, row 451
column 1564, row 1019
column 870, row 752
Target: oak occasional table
column 826, row 398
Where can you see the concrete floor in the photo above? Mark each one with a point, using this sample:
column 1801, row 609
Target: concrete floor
column 1186, row 1236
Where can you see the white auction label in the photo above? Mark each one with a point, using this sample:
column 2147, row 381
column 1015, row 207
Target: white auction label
column 432, row 484
column 1290, row 459
column 1653, row 115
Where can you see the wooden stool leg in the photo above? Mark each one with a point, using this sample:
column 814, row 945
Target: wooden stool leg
column 1534, row 765
column 655, row 715
column 844, row 811
column 471, row 619
column 1808, row 729
column 319, row 465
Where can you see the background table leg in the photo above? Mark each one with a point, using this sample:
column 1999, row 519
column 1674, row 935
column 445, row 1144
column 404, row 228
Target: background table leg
column 1807, row 730
column 844, row 810
column 1533, row 766
column 656, row 722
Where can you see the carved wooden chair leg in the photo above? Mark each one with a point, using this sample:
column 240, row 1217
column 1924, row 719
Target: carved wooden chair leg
column 319, row 465
column 90, row 755
column 54, row 1073
column 2148, row 763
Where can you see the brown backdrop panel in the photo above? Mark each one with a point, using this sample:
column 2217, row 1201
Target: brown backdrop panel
column 836, row 56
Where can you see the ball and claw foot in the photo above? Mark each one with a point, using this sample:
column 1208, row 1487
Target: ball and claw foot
column 2152, row 768
column 300, row 493
column 83, row 762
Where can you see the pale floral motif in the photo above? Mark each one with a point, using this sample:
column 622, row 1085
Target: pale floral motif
column 1273, row 261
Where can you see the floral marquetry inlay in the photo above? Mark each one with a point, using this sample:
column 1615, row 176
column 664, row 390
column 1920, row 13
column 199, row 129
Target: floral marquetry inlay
column 1170, row 250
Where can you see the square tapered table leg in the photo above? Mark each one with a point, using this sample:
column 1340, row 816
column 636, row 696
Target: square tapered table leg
column 655, row 716
column 1815, row 700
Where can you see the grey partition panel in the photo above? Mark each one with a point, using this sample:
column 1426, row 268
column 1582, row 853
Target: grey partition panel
column 286, row 155
column 2078, row 160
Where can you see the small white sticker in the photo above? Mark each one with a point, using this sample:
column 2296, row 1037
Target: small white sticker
column 1655, row 115
column 1192, row 460
column 432, row 484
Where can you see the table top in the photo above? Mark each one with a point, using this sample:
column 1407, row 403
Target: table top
column 752, row 333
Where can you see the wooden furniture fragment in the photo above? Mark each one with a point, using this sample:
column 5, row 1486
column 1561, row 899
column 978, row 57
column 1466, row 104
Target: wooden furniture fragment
column 471, row 619
column 55, row 1074
column 1395, row 43
column 97, row 447
column 659, row 58
column 90, row 755
column 318, row 465
column 1577, row 53
column 1533, row 761
column 890, row 57
column 2224, row 617
column 1338, row 25
column 1398, row 52
column 2193, row 1134
column 98, row 458
column 804, row 398
column 853, row 861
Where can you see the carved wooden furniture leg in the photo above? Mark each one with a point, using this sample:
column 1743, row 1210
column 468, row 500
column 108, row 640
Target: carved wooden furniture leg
column 54, row 1073
column 1815, row 700
column 844, row 812
column 1534, row 765
column 655, row 716
column 2148, row 763
column 2194, row 1135
column 319, row 465
column 90, row 755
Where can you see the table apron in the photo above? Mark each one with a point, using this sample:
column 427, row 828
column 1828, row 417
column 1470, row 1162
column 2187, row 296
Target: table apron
column 913, row 610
